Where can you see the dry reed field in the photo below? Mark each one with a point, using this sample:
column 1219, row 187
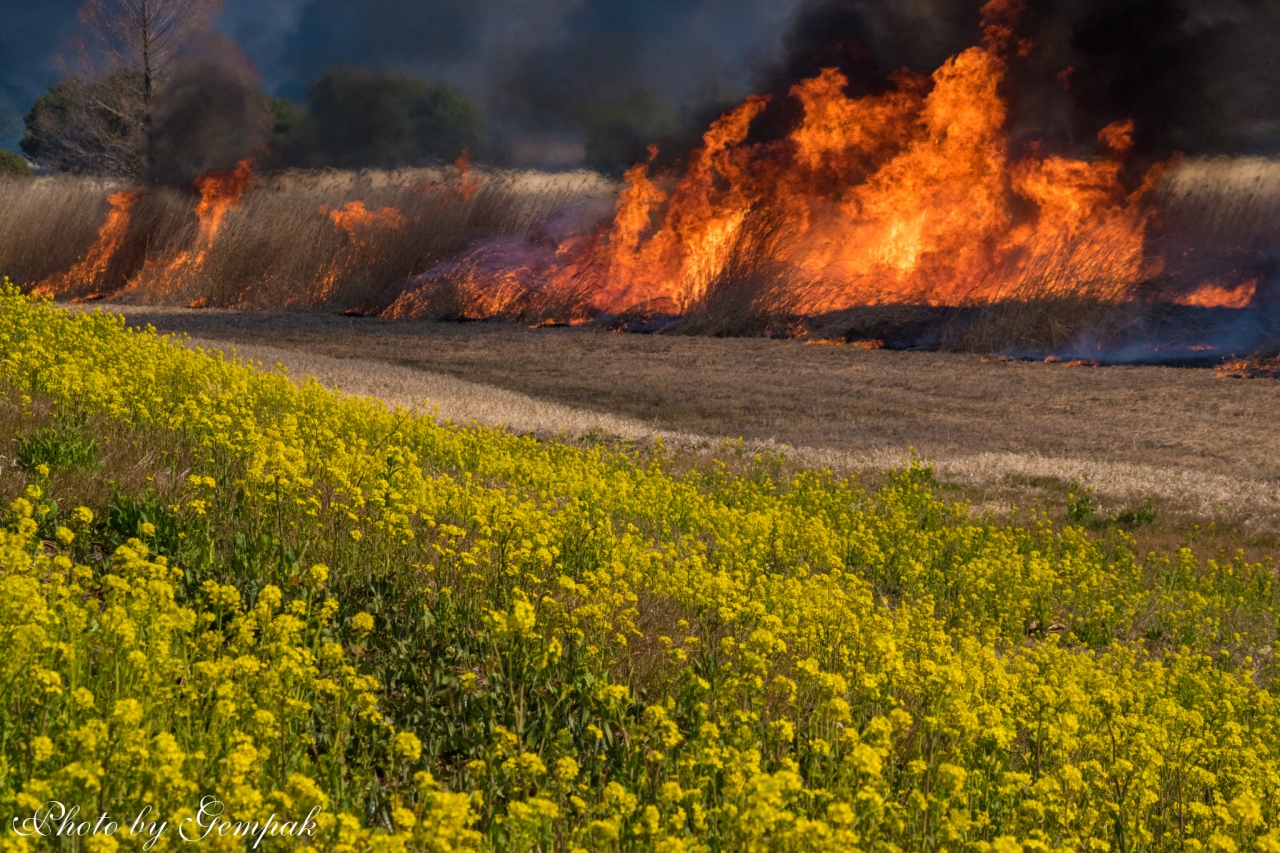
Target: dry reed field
column 47, row 223
column 345, row 240
column 351, row 241
column 1226, row 201
column 1010, row 432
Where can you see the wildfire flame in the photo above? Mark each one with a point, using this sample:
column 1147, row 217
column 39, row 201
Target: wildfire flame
column 90, row 270
column 357, row 220
column 360, row 225
column 468, row 183
column 911, row 197
column 899, row 198
column 1250, row 368
column 220, row 193
column 1220, row 296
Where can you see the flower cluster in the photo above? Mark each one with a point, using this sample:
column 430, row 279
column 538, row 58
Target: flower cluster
column 490, row 640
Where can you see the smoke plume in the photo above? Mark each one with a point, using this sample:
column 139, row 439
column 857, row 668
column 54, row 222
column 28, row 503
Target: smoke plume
column 563, row 80
column 208, row 115
column 1197, row 76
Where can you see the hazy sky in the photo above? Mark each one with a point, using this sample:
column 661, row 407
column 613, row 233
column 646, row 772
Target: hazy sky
column 515, row 56
column 1198, row 75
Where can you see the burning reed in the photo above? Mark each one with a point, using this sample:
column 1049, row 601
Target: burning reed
column 912, row 200
column 344, row 241
column 47, row 224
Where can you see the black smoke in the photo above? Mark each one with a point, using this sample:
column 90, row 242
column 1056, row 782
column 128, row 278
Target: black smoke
column 563, row 81
column 207, row 115
column 1197, row 76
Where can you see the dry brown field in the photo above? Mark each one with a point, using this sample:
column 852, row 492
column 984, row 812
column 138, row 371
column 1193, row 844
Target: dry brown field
column 1002, row 434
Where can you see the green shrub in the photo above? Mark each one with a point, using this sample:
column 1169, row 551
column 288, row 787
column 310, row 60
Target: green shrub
column 57, row 448
column 13, row 165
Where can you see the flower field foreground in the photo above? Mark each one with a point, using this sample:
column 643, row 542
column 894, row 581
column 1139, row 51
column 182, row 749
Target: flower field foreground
column 455, row 638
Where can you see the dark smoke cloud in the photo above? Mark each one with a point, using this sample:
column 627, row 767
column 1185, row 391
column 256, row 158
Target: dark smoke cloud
column 541, row 68
column 1199, row 76
column 208, row 115
column 627, row 74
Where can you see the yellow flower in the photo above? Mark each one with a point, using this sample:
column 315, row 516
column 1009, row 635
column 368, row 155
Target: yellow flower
column 403, row 819
column 83, row 698
column 407, row 745
column 41, row 748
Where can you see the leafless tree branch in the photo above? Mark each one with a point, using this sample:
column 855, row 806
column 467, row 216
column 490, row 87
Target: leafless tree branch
column 145, row 35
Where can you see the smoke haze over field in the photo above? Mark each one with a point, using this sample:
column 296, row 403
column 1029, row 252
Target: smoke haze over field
column 536, row 66
column 1197, row 75
column 1200, row 76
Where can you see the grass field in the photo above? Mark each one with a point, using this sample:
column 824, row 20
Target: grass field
column 1202, row 448
column 429, row 637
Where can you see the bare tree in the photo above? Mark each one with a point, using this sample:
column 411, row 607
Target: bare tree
column 145, row 35
column 89, row 126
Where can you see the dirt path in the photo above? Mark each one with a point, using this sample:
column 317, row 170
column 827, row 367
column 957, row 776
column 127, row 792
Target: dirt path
column 1181, row 436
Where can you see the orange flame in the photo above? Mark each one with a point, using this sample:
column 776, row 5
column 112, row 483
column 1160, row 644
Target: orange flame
column 220, row 193
column 907, row 197
column 354, row 218
column 468, row 184
column 89, row 270
column 1220, row 296
column 1250, row 368
column 360, row 224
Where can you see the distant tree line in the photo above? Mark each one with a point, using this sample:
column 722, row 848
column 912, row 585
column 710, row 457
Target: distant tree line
column 351, row 119
column 355, row 119
column 160, row 97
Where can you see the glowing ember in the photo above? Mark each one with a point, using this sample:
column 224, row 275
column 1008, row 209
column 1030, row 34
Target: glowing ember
column 89, row 271
column 1220, row 296
column 1250, row 368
